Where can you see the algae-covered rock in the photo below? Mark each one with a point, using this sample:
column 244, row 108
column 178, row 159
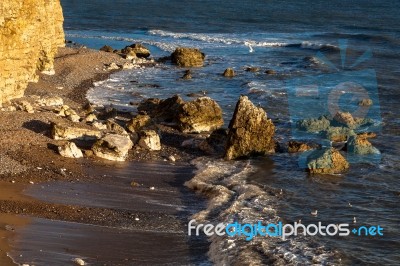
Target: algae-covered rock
column 314, row 124
column 326, row 161
column 360, row 145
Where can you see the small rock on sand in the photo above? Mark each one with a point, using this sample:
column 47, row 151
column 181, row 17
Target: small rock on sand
column 70, row 150
column 150, row 140
column 79, row 261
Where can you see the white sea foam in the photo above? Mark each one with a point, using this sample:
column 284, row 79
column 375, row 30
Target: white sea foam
column 232, row 199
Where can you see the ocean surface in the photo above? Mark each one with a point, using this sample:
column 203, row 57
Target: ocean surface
column 308, row 44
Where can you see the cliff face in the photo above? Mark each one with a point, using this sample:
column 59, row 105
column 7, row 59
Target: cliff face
column 30, row 33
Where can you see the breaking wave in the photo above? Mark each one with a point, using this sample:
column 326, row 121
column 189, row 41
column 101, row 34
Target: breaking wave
column 232, row 199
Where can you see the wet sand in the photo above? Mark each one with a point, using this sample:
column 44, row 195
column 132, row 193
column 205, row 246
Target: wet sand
column 54, row 209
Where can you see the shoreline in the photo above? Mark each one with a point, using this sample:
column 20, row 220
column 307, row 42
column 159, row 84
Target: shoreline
column 31, row 162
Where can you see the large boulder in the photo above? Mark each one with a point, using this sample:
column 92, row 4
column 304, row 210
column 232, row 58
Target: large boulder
column 200, row 115
column 30, row 33
column 65, row 132
column 250, row 131
column 326, row 161
column 188, row 57
column 112, row 147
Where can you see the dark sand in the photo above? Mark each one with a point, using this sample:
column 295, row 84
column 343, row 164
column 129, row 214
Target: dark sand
column 54, row 209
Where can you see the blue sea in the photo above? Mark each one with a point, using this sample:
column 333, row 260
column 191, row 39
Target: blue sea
column 309, row 44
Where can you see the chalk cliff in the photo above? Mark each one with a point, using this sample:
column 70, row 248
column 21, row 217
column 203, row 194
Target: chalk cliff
column 30, row 33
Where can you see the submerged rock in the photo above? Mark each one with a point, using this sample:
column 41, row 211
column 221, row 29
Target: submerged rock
column 360, row 145
column 366, row 102
column 200, row 115
column 70, row 150
column 188, row 57
column 187, row 75
column 229, row 73
column 63, row 132
column 150, row 140
column 326, row 161
column 345, row 118
column 296, row 146
column 250, row 131
column 339, row 134
column 314, row 125
column 112, row 147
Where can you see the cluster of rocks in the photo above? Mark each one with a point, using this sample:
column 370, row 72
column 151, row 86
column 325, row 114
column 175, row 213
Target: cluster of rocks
column 341, row 128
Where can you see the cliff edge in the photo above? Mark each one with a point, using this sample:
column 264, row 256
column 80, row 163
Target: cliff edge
column 30, row 33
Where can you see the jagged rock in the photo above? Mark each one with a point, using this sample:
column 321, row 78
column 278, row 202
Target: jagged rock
column 250, row 131
column 69, row 113
column 229, row 72
column 112, row 147
column 314, row 125
column 345, row 118
column 150, row 140
column 162, row 110
column 50, row 101
column 137, row 123
column 360, row 145
column 326, row 161
column 296, row 146
column 64, row 132
column 70, row 150
column 107, row 48
column 200, row 115
column 339, row 134
column 24, row 106
column 138, row 49
column 188, row 57
column 366, row 102
column 30, row 33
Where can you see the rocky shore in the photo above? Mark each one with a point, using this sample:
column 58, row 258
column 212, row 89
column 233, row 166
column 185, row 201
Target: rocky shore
column 54, row 134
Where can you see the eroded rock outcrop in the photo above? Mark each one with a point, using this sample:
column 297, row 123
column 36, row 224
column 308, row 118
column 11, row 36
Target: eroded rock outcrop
column 30, row 33
column 250, row 131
